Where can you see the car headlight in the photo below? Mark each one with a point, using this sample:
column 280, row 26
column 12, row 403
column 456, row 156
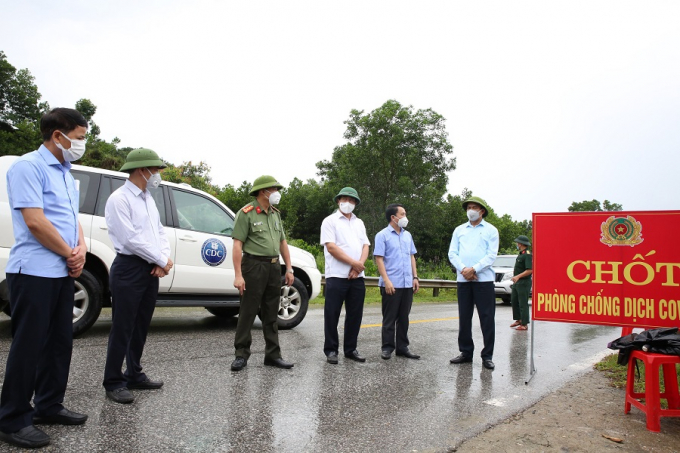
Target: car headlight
column 507, row 276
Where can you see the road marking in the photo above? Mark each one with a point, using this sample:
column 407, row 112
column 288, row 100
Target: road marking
column 590, row 361
column 414, row 322
column 500, row 402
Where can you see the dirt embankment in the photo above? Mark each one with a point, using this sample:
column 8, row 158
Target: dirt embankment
column 583, row 416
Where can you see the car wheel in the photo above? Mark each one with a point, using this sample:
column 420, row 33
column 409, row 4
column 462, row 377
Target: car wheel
column 87, row 302
column 223, row 312
column 506, row 300
column 6, row 311
column 293, row 304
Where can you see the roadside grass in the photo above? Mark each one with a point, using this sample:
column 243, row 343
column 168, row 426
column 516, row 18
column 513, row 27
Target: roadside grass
column 422, row 296
column 618, row 374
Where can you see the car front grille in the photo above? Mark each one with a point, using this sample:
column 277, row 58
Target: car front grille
column 499, row 277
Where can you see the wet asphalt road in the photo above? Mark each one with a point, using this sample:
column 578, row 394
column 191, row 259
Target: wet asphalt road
column 381, row 405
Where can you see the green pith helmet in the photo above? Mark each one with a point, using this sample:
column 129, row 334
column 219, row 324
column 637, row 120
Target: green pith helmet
column 523, row 240
column 264, row 182
column 140, row 158
column 348, row 192
column 479, row 201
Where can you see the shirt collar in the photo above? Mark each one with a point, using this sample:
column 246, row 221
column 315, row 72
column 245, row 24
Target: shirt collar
column 339, row 214
column 482, row 223
column 136, row 191
column 50, row 159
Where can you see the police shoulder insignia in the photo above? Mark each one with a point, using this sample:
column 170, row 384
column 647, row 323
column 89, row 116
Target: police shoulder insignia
column 621, row 231
column 248, row 208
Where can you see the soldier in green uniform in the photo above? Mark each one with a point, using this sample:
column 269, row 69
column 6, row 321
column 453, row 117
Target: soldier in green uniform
column 521, row 284
column 258, row 240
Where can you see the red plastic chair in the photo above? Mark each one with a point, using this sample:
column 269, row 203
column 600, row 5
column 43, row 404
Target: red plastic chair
column 652, row 394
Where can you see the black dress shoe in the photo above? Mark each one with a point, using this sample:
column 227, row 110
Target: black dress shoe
column 63, row 417
column 408, row 354
column 488, row 364
column 238, row 364
column 332, row 358
column 354, row 355
column 461, row 359
column 28, row 437
column 146, row 384
column 121, row 395
column 385, row 355
column 278, row 363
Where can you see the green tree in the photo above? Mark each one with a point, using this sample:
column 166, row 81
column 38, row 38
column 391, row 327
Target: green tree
column 393, row 155
column 235, row 197
column 20, row 110
column 304, row 205
column 197, row 176
column 594, row 206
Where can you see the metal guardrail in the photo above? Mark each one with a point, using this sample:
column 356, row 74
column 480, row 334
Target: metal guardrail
column 435, row 284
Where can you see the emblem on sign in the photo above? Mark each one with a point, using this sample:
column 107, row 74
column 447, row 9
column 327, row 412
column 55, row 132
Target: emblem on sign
column 621, row 231
column 213, row 252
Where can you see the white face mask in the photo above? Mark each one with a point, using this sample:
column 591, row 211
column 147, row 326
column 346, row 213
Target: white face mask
column 76, row 150
column 472, row 215
column 346, row 207
column 403, row 222
column 154, row 180
column 274, row 197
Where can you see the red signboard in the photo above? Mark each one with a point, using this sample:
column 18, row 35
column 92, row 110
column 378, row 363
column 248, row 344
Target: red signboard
column 611, row 268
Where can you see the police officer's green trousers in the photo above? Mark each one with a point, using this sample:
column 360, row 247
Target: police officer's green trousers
column 520, row 300
column 263, row 291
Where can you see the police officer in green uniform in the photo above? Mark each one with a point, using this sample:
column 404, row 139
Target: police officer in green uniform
column 258, row 240
column 521, row 284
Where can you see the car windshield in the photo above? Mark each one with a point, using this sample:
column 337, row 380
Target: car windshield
column 505, row 261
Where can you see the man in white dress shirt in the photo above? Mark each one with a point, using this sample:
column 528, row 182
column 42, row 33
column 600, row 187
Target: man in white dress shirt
column 343, row 236
column 143, row 256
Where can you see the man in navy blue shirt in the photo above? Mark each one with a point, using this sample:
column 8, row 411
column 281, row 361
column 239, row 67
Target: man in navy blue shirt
column 473, row 249
column 395, row 257
column 49, row 252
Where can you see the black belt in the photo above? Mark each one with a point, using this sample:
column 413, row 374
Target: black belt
column 269, row 259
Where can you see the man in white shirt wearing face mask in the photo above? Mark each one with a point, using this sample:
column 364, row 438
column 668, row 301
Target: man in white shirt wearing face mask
column 343, row 236
column 143, row 256
column 473, row 249
column 48, row 253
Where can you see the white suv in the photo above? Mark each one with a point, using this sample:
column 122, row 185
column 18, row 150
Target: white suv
column 199, row 229
column 504, row 268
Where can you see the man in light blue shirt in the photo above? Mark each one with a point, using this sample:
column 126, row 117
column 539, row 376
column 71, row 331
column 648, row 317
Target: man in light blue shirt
column 395, row 257
column 474, row 246
column 48, row 253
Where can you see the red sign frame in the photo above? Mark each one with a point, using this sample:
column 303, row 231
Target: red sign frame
column 609, row 268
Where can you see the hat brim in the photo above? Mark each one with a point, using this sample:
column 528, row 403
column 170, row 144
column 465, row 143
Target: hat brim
column 256, row 189
column 486, row 211
column 142, row 164
column 358, row 202
column 521, row 241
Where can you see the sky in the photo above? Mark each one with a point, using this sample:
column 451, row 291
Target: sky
column 546, row 102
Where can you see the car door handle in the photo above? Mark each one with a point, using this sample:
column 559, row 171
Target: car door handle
column 103, row 227
column 187, row 239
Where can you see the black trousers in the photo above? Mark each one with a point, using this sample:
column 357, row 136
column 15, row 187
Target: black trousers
column 263, row 293
column 395, row 311
column 133, row 300
column 40, row 355
column 352, row 293
column 482, row 296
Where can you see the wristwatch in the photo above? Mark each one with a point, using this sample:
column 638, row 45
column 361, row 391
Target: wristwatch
column 416, row 278
column 290, row 271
